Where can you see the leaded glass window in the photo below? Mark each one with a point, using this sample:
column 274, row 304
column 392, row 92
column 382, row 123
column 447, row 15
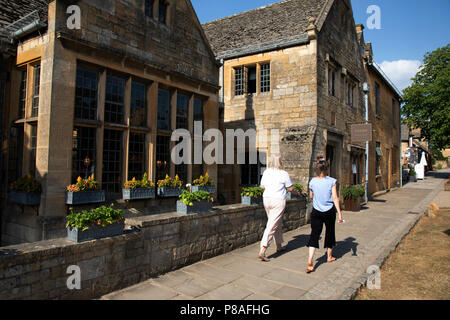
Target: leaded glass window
column 86, row 93
column 114, row 102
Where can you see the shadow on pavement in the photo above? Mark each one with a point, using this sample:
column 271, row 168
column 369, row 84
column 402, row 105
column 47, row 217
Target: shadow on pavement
column 438, row 175
column 340, row 250
column 298, row 242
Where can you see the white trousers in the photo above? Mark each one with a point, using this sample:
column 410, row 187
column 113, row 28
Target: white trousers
column 274, row 228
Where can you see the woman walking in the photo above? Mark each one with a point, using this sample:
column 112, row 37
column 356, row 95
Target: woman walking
column 322, row 189
column 275, row 181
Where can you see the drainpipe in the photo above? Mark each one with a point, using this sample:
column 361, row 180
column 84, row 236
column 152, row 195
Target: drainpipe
column 366, row 89
column 222, row 79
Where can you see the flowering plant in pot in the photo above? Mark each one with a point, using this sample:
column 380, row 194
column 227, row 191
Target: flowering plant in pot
column 25, row 191
column 170, row 187
column 138, row 189
column 194, row 202
column 84, row 191
column 251, row 195
column 96, row 223
column 204, row 183
column 352, row 197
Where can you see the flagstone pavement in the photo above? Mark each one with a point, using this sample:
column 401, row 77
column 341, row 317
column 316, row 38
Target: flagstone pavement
column 366, row 238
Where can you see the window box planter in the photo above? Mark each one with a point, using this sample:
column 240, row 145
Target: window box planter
column 169, row 192
column 95, row 232
column 85, row 197
column 25, row 198
column 198, row 207
column 248, row 200
column 138, row 194
column 352, row 205
column 210, row 189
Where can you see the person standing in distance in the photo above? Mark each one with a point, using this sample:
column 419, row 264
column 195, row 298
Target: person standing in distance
column 322, row 189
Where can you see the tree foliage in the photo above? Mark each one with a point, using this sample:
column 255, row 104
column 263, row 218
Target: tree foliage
column 427, row 99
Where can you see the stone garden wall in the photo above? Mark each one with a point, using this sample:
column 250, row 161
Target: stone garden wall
column 154, row 245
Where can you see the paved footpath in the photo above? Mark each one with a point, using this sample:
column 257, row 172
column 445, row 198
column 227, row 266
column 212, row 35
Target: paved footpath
column 366, row 239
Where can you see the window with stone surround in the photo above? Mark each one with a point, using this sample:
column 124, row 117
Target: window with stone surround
column 378, row 155
column 265, row 77
column 138, row 107
column 250, row 172
column 36, row 87
column 246, row 79
column 182, row 111
column 33, row 146
column 377, row 99
column 239, row 81
column 23, row 94
column 331, row 81
column 112, row 161
column 15, row 152
column 162, row 156
column 86, row 92
column 115, row 99
column 197, row 169
column 83, row 152
column 136, row 156
column 350, row 91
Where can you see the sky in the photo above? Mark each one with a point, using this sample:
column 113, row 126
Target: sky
column 408, row 29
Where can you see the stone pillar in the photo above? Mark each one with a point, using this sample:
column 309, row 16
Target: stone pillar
column 55, row 120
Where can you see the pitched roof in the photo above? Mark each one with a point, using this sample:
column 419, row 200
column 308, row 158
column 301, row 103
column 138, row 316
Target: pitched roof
column 13, row 10
column 269, row 25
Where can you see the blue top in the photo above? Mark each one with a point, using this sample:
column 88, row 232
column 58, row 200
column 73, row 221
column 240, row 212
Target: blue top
column 321, row 188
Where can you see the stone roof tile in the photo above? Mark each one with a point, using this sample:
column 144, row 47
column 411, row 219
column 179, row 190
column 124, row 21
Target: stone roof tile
column 269, row 24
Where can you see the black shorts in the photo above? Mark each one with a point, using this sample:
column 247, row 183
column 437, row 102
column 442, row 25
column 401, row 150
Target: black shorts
column 318, row 219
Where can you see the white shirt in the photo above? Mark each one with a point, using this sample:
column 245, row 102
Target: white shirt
column 275, row 183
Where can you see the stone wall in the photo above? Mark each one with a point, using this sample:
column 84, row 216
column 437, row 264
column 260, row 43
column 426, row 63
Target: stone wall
column 154, row 245
column 122, row 27
column 338, row 48
column 291, row 104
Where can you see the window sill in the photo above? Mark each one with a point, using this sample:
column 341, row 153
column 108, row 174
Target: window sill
column 115, row 125
column 92, row 123
column 143, row 129
column 24, row 120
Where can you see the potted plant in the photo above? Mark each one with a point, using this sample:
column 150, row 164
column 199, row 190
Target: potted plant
column 25, row 191
column 194, row 202
column 412, row 176
column 138, row 189
column 204, row 183
column 447, row 186
column 84, row 191
column 169, row 187
column 298, row 188
column 96, row 223
column 252, row 195
column 352, row 197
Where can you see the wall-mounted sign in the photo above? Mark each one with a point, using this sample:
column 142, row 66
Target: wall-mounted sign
column 361, row 132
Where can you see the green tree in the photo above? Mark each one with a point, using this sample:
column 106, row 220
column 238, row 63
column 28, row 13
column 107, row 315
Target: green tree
column 427, row 100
